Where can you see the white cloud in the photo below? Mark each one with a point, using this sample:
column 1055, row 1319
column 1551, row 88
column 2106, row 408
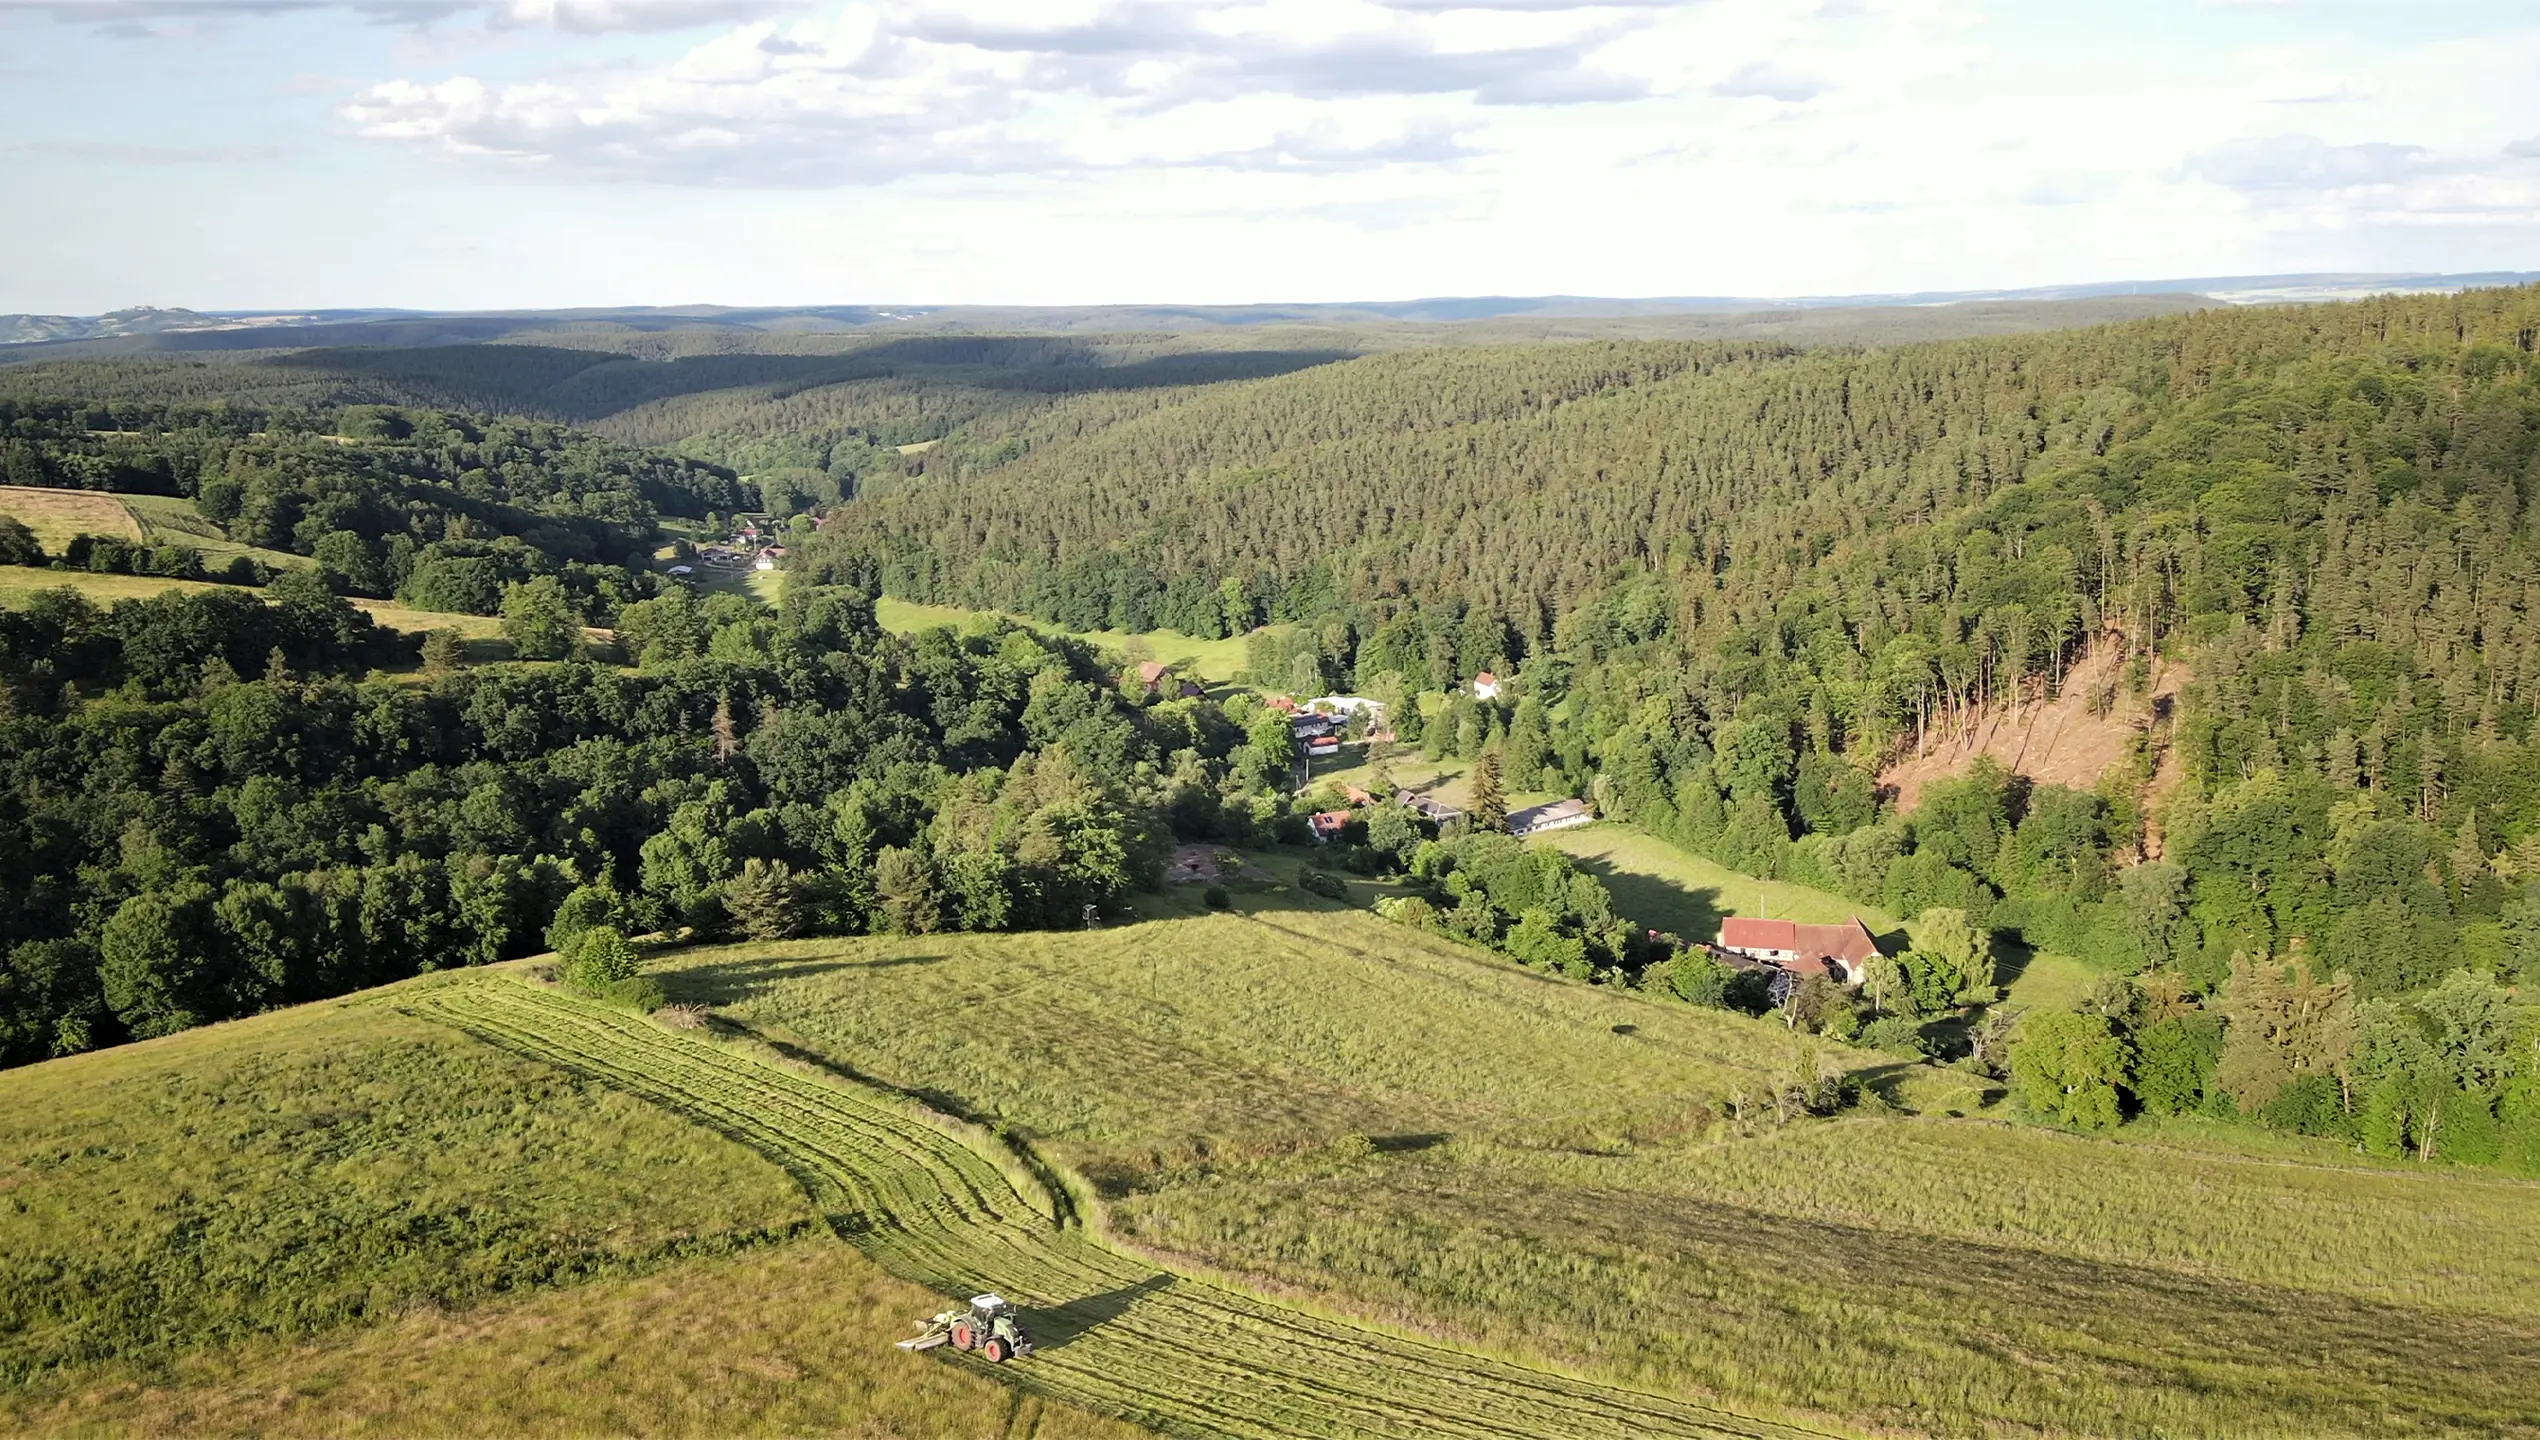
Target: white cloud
column 2308, row 163
column 144, row 18
column 879, row 92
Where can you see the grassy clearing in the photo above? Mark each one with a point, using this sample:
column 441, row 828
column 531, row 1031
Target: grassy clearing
column 1677, row 890
column 795, row 1340
column 57, row 515
column 20, row 582
column 1211, row 660
column 172, row 519
column 1402, row 1130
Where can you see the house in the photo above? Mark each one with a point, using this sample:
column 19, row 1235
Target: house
column 1328, row 824
column 765, row 561
column 1322, row 745
column 1358, row 796
column 1486, row 686
column 1308, row 727
column 1193, row 690
column 1346, row 705
column 1559, row 815
column 1151, row 671
column 1436, row 812
column 1282, row 704
column 1802, row 950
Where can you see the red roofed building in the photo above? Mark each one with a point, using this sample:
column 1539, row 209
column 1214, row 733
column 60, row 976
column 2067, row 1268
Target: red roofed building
column 1837, row 950
column 1328, row 824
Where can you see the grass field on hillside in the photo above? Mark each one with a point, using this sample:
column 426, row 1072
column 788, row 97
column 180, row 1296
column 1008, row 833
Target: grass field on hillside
column 18, row 583
column 330, row 1166
column 793, row 1340
column 1423, row 1135
column 57, row 515
column 1211, row 660
column 1677, row 890
column 172, row 519
column 345, row 1218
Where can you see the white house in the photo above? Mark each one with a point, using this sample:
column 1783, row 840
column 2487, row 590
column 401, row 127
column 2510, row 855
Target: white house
column 1486, row 686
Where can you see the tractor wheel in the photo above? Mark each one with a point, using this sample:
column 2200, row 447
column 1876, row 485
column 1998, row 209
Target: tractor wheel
column 996, row 1352
column 962, row 1338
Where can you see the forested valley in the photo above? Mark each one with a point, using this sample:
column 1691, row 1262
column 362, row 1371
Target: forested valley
column 1727, row 586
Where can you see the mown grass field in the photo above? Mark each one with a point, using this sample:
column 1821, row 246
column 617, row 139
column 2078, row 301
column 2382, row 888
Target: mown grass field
column 1394, row 1128
column 345, row 1219
column 1211, row 660
column 57, row 515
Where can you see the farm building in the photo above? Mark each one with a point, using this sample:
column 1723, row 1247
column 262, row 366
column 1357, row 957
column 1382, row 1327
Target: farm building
column 1559, row 815
column 1803, row 950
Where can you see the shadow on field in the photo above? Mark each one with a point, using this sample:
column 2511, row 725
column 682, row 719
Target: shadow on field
column 1055, row 1328
column 736, row 980
column 1693, row 912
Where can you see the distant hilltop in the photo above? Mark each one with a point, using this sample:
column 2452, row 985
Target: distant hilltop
column 137, row 320
column 2077, row 304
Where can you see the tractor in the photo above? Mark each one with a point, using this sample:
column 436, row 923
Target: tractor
column 991, row 1326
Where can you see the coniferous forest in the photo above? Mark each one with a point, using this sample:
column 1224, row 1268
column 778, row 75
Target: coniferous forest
column 1731, row 584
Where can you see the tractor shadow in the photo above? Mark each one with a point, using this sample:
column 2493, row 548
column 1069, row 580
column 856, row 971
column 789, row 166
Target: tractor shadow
column 1063, row 1325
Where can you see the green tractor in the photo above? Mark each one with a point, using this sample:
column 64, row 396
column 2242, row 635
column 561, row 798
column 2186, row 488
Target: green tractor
column 991, row 1326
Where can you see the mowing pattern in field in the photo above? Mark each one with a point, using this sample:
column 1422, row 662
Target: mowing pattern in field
column 1117, row 1334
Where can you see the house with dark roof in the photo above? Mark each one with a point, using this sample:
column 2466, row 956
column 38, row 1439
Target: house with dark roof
column 1558, row 815
column 1838, row 951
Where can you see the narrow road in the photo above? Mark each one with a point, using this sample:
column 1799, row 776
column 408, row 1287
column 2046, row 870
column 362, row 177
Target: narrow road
column 1116, row 1334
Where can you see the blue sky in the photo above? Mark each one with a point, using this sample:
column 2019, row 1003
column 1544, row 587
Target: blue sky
column 489, row 153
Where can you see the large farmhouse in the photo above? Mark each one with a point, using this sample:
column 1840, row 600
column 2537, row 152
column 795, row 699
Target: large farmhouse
column 1803, row 950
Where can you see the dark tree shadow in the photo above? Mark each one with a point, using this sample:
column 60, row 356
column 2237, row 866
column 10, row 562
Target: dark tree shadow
column 728, row 982
column 1694, row 913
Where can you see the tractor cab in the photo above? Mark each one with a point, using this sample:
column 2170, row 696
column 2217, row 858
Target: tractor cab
column 984, row 1309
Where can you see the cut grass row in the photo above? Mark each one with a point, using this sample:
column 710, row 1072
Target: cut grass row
column 1118, row 1335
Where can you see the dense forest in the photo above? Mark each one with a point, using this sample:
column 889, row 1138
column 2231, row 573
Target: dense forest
column 216, row 802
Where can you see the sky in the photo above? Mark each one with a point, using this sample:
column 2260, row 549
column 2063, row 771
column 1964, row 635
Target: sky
column 471, row 154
